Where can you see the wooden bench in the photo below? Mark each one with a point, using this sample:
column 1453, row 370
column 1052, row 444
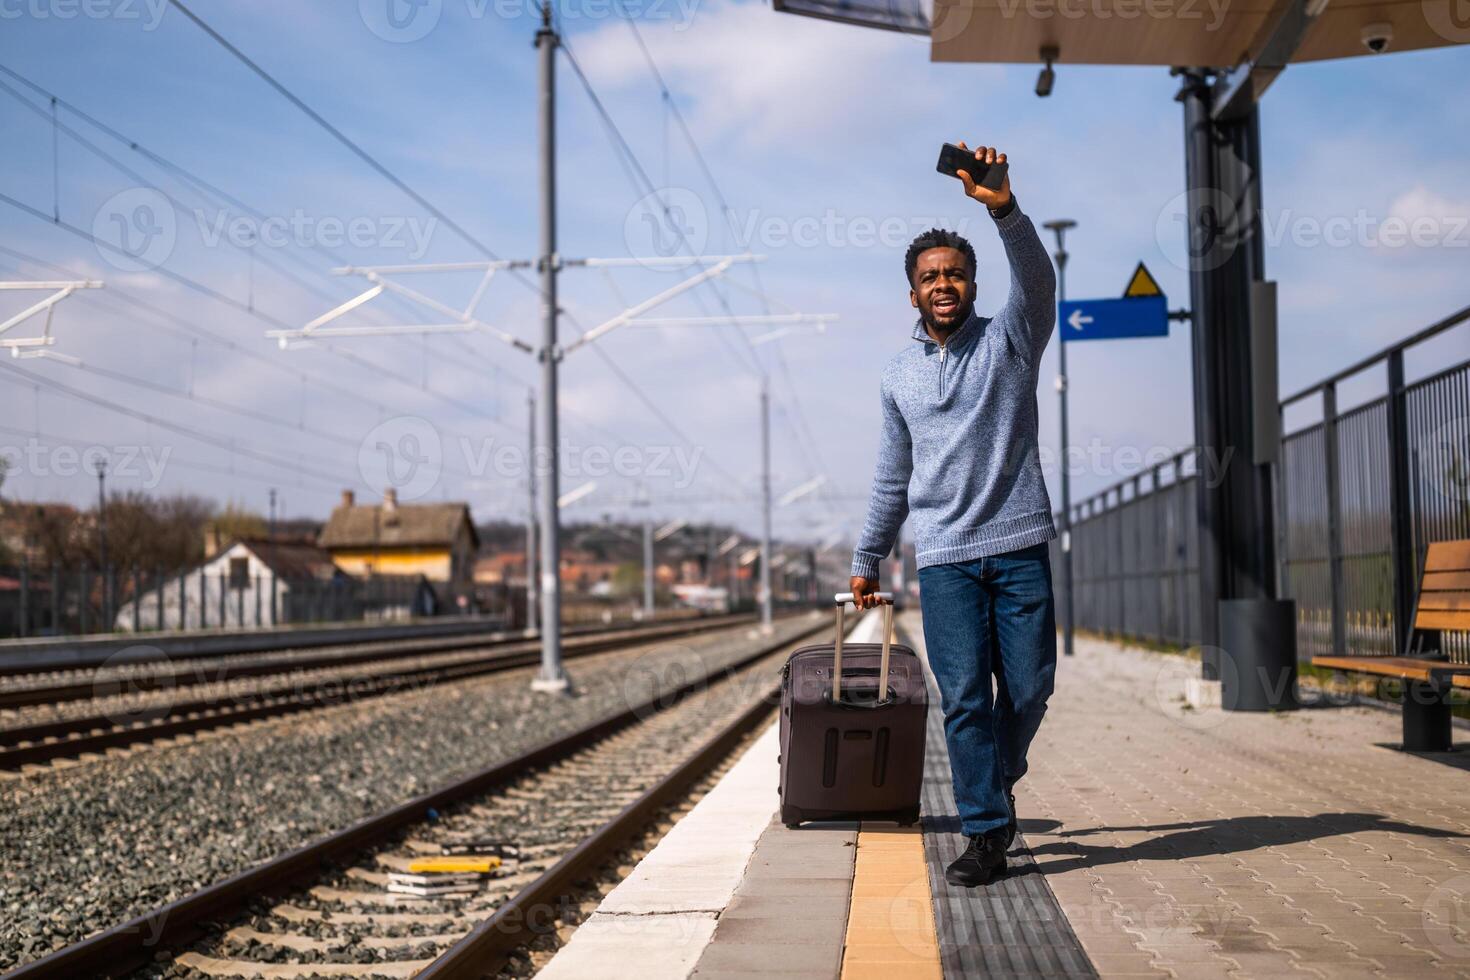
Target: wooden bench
column 1428, row 676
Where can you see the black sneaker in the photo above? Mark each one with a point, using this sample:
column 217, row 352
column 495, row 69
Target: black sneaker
column 1011, row 827
column 983, row 861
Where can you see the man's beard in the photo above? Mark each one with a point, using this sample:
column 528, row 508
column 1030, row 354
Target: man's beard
column 961, row 315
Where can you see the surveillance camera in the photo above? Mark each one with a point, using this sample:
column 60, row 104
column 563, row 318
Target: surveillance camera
column 1377, row 37
column 1045, row 81
column 1049, row 54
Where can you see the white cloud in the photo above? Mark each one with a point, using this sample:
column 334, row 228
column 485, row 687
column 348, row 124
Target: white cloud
column 775, row 79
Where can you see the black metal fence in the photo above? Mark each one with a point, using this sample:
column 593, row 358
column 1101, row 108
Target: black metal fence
column 1360, row 494
column 52, row 600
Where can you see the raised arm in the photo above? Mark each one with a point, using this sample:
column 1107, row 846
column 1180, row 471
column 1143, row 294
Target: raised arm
column 1030, row 311
column 889, row 504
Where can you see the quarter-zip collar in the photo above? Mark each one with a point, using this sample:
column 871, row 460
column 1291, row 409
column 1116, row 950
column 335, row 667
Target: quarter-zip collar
column 963, row 333
column 961, row 336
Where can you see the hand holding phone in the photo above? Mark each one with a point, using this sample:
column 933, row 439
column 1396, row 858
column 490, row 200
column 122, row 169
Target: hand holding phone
column 985, row 167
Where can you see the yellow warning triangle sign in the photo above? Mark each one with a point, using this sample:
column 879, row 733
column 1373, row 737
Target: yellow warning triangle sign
column 1142, row 284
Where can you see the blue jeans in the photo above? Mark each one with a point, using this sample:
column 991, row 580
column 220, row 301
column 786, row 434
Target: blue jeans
column 990, row 617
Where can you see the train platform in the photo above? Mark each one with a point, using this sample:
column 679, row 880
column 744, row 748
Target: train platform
column 1157, row 840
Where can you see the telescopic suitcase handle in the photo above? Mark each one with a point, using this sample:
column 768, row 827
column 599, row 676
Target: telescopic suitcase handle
column 842, row 599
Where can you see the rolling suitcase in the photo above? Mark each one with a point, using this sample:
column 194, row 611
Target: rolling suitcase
column 852, row 729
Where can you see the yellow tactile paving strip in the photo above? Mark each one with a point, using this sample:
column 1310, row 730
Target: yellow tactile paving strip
column 890, row 923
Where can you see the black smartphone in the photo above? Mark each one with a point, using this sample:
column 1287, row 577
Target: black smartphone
column 987, row 175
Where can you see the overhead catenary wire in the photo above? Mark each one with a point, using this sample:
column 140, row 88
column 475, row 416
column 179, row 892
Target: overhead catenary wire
column 172, row 459
column 643, row 184
column 193, row 332
column 336, row 133
column 214, row 294
column 208, row 190
column 208, row 438
column 199, row 183
column 799, row 416
column 423, row 202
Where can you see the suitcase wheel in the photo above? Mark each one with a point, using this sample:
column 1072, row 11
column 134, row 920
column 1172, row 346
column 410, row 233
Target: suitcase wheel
column 909, row 819
column 791, row 817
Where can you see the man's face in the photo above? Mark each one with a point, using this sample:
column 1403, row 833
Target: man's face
column 943, row 290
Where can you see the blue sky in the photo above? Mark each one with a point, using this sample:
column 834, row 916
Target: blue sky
column 819, row 136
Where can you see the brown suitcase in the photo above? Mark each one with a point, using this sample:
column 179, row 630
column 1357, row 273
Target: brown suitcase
column 850, row 747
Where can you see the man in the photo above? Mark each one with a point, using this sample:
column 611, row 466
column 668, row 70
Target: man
column 958, row 457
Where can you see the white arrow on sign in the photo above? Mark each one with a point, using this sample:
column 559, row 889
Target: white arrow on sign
column 1077, row 319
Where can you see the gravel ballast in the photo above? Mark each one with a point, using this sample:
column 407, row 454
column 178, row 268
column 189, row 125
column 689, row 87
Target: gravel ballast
column 91, row 845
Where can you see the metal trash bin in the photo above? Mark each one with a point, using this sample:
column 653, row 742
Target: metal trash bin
column 1258, row 643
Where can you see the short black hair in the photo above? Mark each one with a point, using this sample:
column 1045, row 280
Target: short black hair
column 935, row 238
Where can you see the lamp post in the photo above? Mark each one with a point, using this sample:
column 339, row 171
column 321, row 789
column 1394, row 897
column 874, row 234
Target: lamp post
column 1060, row 228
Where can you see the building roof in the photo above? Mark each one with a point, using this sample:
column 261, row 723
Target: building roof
column 290, row 559
column 1132, row 32
column 399, row 526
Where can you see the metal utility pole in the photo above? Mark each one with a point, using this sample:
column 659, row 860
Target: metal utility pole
column 101, row 472
column 531, row 513
column 1060, row 227
column 765, row 584
column 552, row 676
column 647, row 567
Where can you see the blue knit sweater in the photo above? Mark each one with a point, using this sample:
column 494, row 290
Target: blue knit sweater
column 958, row 451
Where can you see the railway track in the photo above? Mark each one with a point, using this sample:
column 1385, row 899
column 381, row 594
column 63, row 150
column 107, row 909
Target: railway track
column 320, row 683
column 132, row 677
column 568, row 805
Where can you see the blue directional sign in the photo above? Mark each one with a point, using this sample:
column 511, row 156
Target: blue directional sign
column 1110, row 319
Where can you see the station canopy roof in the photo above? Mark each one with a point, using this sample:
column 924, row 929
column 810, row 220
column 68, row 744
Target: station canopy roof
column 1204, row 33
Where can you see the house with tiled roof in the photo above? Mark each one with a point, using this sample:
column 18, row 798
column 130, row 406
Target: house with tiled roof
column 435, row 540
column 268, row 582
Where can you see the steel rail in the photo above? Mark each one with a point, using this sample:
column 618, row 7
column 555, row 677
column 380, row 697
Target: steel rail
column 128, row 945
column 527, row 914
column 192, row 676
column 94, row 733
